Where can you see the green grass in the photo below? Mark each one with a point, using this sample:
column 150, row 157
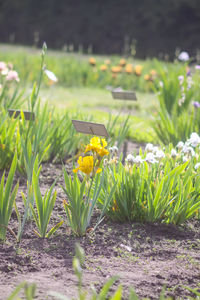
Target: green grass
column 99, row 103
column 92, row 97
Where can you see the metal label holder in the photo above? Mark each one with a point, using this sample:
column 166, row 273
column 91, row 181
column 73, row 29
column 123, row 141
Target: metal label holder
column 90, row 128
column 27, row 114
column 124, row 95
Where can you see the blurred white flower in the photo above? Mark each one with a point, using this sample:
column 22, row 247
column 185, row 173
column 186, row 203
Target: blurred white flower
column 197, row 166
column 161, row 84
column 188, row 150
column 194, row 139
column 185, row 149
column 180, row 145
column 113, row 150
column 191, row 151
column 159, row 154
column 155, row 149
column 184, row 159
column 150, row 158
column 138, row 159
column 183, row 56
column 105, row 162
column 12, row 75
column 173, row 153
column 130, row 158
column 197, row 67
column 149, row 147
column 51, row 75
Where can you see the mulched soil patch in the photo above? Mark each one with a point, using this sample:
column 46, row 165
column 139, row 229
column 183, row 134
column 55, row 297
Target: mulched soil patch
column 144, row 256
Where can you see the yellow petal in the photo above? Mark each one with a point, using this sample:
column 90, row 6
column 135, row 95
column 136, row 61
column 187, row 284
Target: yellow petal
column 88, row 148
column 103, row 152
column 98, row 170
column 104, row 143
column 80, row 159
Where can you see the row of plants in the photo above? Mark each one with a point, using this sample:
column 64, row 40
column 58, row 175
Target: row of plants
column 82, row 294
column 177, row 113
column 176, row 87
column 79, row 70
column 157, row 186
column 27, row 144
column 50, row 134
column 145, row 189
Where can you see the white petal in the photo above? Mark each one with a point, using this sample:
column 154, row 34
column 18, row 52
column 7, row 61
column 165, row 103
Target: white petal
column 51, row 75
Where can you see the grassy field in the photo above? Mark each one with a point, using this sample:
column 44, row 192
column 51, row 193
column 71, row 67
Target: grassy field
column 99, row 103
column 93, row 99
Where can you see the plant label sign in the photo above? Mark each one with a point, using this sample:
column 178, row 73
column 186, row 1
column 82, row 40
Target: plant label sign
column 90, row 128
column 27, row 114
column 124, row 95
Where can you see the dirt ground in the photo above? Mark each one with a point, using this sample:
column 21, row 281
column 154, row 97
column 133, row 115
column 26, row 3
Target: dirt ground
column 144, row 256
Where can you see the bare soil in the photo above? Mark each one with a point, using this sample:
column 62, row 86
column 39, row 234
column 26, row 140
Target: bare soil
column 144, row 256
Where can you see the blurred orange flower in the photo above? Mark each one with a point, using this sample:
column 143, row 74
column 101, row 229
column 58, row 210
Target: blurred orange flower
column 103, row 67
column 147, row 77
column 116, row 69
column 122, row 62
column 153, row 72
column 138, row 70
column 129, row 69
column 92, row 61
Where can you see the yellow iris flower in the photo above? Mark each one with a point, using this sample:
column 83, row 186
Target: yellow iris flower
column 97, row 145
column 86, row 165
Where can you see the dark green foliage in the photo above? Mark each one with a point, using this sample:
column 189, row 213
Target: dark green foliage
column 155, row 26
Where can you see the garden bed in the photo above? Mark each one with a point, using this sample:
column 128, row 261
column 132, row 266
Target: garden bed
column 144, row 256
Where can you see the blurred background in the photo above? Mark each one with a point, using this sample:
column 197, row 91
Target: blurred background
column 145, row 28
